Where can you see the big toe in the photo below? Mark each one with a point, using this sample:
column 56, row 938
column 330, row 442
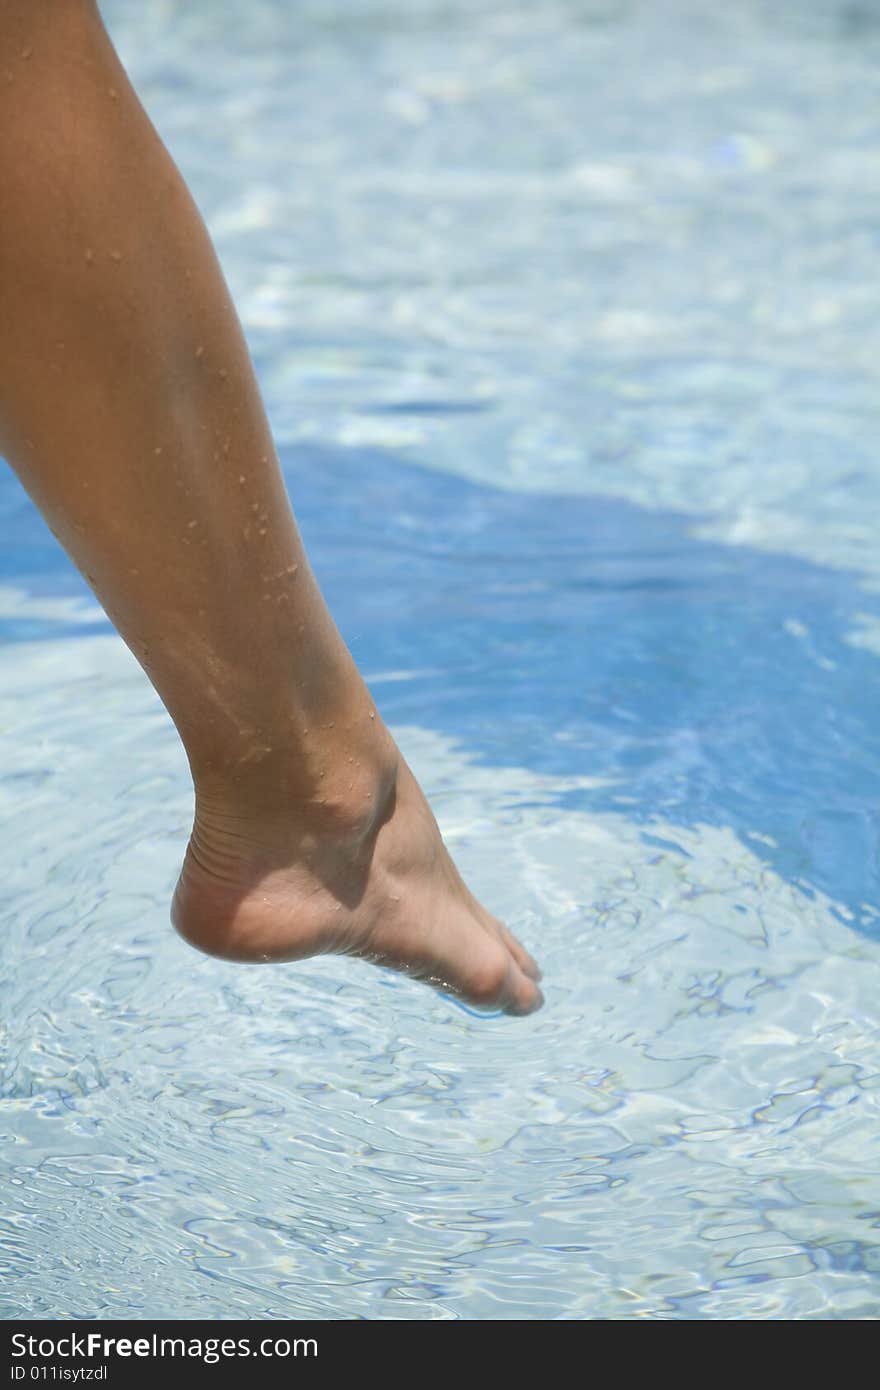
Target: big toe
column 499, row 982
column 524, row 996
column 524, row 959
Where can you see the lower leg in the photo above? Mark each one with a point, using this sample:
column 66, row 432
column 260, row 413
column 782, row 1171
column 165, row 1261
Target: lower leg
column 129, row 408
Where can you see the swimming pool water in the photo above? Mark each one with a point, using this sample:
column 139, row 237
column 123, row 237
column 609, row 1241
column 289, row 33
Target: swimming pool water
column 566, row 319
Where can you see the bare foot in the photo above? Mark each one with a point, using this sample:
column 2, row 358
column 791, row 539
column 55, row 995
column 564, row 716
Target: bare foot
column 273, row 885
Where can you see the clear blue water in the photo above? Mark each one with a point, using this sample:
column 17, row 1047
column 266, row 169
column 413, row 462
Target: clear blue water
column 566, row 316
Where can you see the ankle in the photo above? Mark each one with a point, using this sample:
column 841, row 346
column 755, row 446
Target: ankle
column 335, row 794
column 241, row 858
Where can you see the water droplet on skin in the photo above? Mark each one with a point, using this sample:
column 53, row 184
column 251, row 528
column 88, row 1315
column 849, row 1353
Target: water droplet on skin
column 200, row 351
column 191, row 524
column 266, row 597
column 26, row 53
column 255, row 507
column 372, row 716
column 283, row 598
column 158, row 449
column 223, row 374
column 89, row 256
column 262, row 530
column 116, row 255
column 292, row 569
column 241, row 478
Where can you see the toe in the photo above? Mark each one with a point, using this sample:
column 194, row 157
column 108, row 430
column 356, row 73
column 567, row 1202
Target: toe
column 524, row 996
column 498, row 982
column 518, row 993
column 488, row 983
column 524, row 960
